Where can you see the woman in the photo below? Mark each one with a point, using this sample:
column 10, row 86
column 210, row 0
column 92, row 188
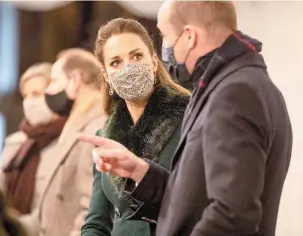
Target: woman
column 146, row 109
column 27, row 154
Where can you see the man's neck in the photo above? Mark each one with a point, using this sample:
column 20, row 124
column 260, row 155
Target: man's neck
column 85, row 101
column 204, row 49
column 85, row 96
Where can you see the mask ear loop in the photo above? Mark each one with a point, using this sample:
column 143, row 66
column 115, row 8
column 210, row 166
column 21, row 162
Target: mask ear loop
column 178, row 38
column 187, row 56
column 175, row 45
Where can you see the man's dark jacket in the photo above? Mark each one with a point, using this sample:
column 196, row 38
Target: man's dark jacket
column 228, row 171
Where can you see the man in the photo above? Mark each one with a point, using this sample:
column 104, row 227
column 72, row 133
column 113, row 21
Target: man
column 228, row 171
column 73, row 92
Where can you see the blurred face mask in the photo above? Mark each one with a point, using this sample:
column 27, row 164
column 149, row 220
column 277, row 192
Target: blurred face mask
column 36, row 111
column 59, row 103
column 133, row 81
column 175, row 69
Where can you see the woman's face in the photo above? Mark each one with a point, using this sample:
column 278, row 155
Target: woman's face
column 34, row 87
column 123, row 49
column 35, row 108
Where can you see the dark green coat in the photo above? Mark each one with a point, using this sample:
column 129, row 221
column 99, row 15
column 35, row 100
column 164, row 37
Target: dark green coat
column 155, row 137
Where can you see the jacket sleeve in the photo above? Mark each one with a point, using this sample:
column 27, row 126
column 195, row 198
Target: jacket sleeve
column 151, row 189
column 234, row 141
column 99, row 220
column 149, row 192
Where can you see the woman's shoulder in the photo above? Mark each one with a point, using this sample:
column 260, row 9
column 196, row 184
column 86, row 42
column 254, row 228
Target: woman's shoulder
column 11, row 146
column 172, row 97
column 15, row 138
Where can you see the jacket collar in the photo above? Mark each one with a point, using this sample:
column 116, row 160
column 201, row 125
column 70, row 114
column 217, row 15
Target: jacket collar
column 148, row 137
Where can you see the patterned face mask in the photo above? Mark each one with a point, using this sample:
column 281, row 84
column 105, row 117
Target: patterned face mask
column 133, row 81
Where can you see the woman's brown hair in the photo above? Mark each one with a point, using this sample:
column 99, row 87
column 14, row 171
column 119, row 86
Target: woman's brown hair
column 120, row 26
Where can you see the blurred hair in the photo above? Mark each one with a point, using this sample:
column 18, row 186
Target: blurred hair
column 77, row 58
column 42, row 70
column 121, row 26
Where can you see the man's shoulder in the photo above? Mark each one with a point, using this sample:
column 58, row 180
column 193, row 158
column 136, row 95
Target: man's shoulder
column 249, row 77
column 95, row 124
column 249, row 68
column 248, row 72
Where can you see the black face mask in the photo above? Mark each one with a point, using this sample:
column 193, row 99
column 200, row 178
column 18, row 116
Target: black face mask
column 176, row 70
column 59, row 103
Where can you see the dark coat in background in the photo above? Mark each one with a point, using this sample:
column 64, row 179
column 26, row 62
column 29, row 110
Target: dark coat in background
column 229, row 168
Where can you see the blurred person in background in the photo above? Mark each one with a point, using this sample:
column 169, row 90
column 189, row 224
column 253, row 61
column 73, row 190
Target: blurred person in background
column 28, row 153
column 9, row 225
column 75, row 92
column 146, row 109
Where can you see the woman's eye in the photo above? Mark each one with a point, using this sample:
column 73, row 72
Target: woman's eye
column 138, row 56
column 114, row 63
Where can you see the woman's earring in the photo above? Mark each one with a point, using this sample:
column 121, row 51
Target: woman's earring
column 111, row 90
column 155, row 77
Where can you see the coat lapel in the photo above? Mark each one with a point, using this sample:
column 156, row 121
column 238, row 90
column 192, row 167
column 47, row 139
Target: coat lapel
column 63, row 148
column 192, row 112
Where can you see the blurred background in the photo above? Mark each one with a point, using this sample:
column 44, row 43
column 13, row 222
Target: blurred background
column 36, row 31
column 32, row 31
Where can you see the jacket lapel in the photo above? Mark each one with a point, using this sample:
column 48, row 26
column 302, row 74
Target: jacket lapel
column 63, row 148
column 193, row 111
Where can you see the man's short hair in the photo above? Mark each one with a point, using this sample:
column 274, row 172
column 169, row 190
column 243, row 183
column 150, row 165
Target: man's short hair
column 76, row 58
column 206, row 14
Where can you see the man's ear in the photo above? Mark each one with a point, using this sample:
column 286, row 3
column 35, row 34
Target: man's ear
column 191, row 35
column 74, row 83
column 77, row 77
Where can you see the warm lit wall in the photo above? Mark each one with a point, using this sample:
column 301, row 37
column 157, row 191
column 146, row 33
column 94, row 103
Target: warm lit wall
column 280, row 26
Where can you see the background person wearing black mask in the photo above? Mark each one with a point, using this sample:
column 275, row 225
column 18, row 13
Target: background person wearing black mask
column 228, row 172
column 75, row 91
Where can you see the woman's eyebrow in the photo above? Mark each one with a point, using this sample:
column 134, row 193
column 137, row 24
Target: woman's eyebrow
column 135, row 50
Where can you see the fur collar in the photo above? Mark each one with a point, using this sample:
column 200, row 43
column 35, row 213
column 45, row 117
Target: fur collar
column 148, row 137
